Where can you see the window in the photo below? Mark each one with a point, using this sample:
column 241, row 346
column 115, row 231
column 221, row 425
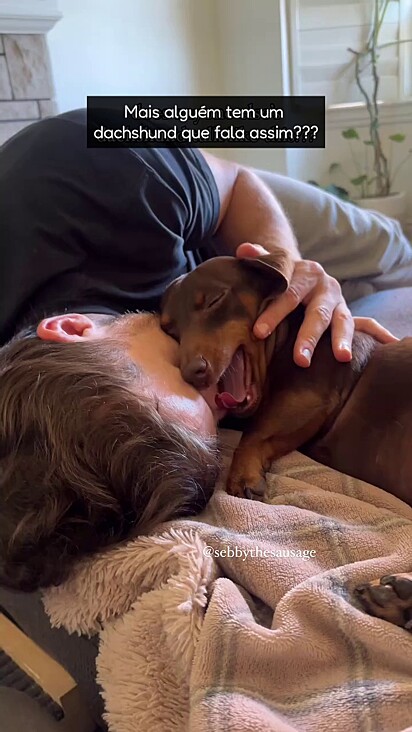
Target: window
column 321, row 32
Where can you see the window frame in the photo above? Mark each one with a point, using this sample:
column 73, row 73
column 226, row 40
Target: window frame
column 405, row 59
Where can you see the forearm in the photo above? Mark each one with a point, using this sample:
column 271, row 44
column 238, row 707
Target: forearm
column 254, row 215
column 249, row 212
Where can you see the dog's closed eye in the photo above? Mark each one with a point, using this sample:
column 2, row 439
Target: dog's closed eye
column 169, row 327
column 214, row 299
column 208, row 300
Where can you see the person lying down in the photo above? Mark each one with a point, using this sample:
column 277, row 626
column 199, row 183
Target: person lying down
column 100, row 434
column 102, row 439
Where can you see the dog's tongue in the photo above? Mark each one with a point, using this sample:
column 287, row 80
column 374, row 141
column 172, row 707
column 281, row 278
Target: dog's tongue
column 224, row 400
column 233, row 384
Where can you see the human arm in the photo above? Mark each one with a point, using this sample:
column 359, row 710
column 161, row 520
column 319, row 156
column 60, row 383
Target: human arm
column 251, row 218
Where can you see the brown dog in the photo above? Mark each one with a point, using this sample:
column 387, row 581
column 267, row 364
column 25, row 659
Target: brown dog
column 354, row 417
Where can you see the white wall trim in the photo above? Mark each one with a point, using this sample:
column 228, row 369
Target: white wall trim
column 28, row 16
column 285, row 48
column 355, row 115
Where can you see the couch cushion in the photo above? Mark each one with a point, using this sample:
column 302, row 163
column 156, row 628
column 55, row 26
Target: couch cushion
column 392, row 308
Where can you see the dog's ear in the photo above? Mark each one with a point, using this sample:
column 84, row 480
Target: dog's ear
column 169, row 305
column 276, row 268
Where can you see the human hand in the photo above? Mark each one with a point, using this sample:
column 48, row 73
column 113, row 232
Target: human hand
column 325, row 306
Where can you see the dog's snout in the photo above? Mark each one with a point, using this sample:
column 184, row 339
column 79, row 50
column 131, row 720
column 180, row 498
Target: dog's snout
column 197, row 371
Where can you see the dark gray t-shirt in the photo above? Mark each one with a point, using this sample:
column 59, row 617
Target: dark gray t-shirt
column 96, row 230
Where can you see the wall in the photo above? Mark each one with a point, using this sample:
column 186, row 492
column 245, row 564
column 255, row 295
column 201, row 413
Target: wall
column 231, row 47
column 252, row 62
column 170, row 47
column 131, row 47
column 26, row 85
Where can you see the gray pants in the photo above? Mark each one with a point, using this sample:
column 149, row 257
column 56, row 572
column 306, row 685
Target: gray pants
column 365, row 251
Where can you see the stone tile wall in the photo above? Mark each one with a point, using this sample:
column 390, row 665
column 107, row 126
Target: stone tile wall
column 26, row 82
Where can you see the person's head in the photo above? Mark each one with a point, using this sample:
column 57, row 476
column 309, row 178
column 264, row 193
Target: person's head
column 100, row 438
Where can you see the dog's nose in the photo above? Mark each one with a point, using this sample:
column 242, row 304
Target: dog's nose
column 197, row 372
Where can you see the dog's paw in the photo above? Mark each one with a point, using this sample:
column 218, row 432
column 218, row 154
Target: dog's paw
column 246, row 486
column 246, row 474
column 389, row 598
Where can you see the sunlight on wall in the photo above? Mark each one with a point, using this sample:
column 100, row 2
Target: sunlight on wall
column 129, row 47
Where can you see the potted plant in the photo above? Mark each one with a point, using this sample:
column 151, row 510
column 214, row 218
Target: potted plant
column 376, row 174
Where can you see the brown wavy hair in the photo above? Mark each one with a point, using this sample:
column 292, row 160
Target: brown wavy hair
column 84, row 462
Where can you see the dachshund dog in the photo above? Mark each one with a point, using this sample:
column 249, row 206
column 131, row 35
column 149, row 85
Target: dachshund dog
column 353, row 417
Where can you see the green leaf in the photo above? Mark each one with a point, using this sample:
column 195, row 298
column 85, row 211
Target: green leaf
column 350, row 134
column 359, row 180
column 399, row 137
column 334, row 167
column 337, row 191
column 367, row 142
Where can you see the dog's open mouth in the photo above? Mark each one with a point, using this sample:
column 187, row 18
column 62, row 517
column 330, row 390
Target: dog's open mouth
column 235, row 389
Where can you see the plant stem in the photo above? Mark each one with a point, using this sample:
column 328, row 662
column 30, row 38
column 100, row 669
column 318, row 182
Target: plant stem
column 381, row 18
column 380, row 164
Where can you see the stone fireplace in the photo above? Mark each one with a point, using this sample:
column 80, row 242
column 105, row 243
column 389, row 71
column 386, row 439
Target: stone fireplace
column 26, row 80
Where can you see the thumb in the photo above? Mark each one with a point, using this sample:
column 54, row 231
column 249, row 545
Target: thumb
column 247, row 249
